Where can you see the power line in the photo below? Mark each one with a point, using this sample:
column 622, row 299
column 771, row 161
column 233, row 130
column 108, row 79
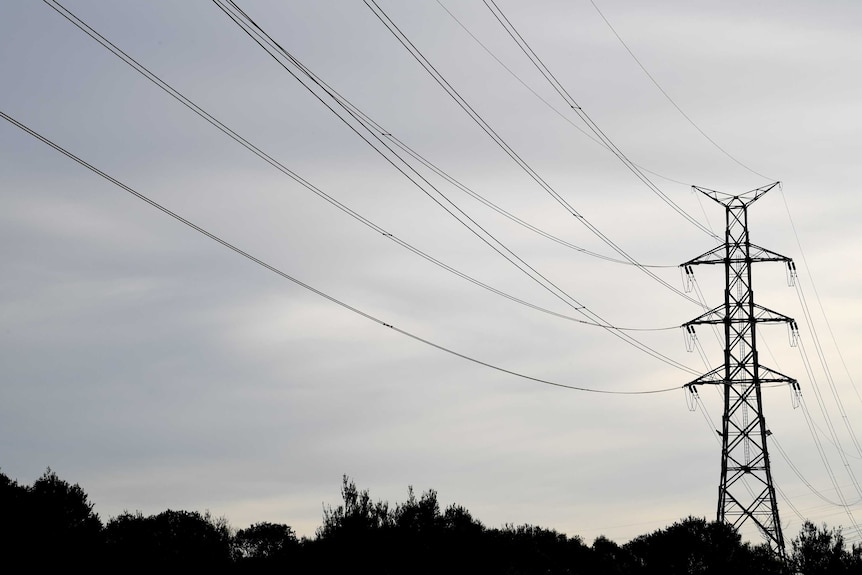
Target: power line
column 809, row 371
column 277, row 52
column 570, row 101
column 829, row 471
column 827, row 418
column 440, row 172
column 171, row 91
column 800, row 293
column 302, row 284
column 669, row 99
column 805, row 481
column 816, row 294
column 365, row 118
column 819, row 350
column 543, row 100
column 219, row 125
column 254, row 31
column 477, row 118
column 554, row 82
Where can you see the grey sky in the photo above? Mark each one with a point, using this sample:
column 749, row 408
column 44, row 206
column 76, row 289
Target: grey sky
column 160, row 370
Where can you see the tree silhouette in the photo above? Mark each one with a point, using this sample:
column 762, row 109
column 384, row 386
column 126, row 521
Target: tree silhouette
column 53, row 525
column 532, row 550
column 611, row 559
column 354, row 535
column 694, row 546
column 358, row 516
column 822, row 551
column 60, row 525
column 171, row 539
column 265, row 541
column 15, row 529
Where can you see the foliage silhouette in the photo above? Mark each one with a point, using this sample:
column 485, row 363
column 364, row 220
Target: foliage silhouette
column 357, row 516
column 16, row 527
column 176, row 539
column 52, row 523
column 696, row 546
column 821, row 551
column 59, row 525
column 264, row 541
column 610, row 559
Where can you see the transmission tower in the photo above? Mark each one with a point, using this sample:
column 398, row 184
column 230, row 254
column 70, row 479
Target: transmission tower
column 746, row 491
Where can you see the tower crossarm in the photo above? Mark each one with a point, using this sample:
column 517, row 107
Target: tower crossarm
column 736, row 200
column 718, row 315
column 759, row 254
column 766, row 375
column 718, row 255
column 766, row 315
column 712, row 377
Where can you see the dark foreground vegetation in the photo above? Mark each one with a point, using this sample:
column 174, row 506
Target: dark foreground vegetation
column 51, row 524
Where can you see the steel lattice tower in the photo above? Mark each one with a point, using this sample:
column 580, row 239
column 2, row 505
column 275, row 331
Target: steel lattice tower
column 746, row 491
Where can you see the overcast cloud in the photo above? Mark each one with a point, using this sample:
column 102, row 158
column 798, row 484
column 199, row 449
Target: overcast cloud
column 160, row 370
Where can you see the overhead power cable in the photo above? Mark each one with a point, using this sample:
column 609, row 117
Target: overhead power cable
column 812, row 428
column 829, row 471
column 807, row 483
column 155, row 79
column 825, row 366
column 290, row 64
column 542, row 99
column 671, row 100
column 511, row 216
column 296, row 281
column 808, row 370
column 113, row 48
column 480, row 121
column 800, row 293
column 570, row 101
column 816, row 294
column 440, row 172
column 295, row 68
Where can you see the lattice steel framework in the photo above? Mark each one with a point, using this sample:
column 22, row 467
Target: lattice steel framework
column 746, row 491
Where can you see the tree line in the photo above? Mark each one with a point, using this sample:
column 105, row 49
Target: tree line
column 51, row 524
